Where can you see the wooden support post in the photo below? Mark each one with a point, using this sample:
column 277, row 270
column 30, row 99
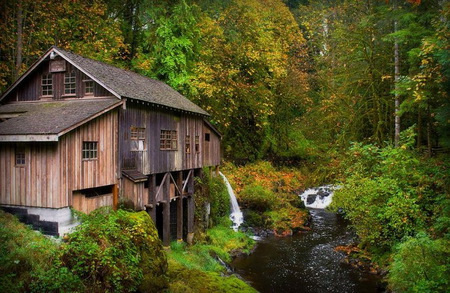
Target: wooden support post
column 190, row 219
column 166, row 212
column 115, row 197
column 180, row 208
column 151, row 196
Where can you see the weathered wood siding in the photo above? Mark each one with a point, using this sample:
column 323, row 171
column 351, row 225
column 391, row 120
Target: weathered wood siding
column 52, row 171
column 211, row 148
column 76, row 173
column 136, row 193
column 31, row 90
column 88, row 204
column 37, row 183
column 153, row 160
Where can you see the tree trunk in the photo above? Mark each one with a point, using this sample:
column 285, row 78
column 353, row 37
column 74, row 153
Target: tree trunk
column 429, row 143
column 19, row 44
column 396, row 81
column 419, row 128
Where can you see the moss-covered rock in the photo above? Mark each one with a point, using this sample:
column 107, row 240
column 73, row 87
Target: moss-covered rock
column 153, row 258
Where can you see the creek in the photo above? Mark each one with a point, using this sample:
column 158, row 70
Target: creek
column 307, row 262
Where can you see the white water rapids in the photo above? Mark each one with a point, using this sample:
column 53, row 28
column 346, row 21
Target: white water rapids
column 236, row 215
column 319, row 197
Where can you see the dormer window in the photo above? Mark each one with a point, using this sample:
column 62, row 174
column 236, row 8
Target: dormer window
column 47, row 85
column 69, row 83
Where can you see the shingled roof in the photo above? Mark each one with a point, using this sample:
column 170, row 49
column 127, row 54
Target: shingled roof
column 130, row 84
column 46, row 121
column 123, row 83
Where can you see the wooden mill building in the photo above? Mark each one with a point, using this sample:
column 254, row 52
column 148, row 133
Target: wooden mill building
column 79, row 133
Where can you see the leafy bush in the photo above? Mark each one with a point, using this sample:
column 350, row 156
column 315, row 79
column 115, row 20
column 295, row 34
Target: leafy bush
column 389, row 193
column 258, row 198
column 421, row 265
column 116, row 252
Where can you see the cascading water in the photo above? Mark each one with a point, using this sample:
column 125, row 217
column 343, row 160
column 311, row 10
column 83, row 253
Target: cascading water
column 319, row 197
column 236, row 215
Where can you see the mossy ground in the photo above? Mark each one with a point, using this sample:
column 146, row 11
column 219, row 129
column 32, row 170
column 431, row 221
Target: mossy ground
column 196, row 268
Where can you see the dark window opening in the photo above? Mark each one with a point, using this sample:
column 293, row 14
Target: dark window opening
column 197, row 144
column 20, row 158
column 90, row 150
column 207, row 137
column 188, row 144
column 97, row 191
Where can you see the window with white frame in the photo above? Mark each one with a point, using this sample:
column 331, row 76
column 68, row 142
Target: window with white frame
column 47, row 85
column 69, row 83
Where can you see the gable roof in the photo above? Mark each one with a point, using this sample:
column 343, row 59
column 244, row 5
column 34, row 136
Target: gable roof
column 46, row 121
column 122, row 83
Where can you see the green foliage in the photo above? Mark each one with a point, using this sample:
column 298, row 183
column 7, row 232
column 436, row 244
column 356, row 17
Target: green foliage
column 258, row 198
column 24, row 254
column 389, row 194
column 196, row 268
column 111, row 251
column 211, row 190
column 421, row 264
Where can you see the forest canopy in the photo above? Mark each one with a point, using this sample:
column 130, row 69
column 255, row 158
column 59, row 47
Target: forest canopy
column 281, row 79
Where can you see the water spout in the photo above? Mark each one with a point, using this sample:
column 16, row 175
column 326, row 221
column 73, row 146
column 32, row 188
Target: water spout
column 236, row 215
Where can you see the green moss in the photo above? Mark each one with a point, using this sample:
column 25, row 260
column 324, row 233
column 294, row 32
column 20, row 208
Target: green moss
column 185, row 279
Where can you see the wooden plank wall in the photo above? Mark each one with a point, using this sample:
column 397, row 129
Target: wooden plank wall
column 211, row 148
column 88, row 204
column 154, row 160
column 36, row 184
column 30, row 89
column 82, row 174
column 135, row 192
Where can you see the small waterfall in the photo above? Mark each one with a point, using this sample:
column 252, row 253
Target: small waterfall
column 319, row 197
column 236, row 215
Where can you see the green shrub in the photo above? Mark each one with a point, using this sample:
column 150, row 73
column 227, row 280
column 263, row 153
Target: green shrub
column 24, row 254
column 116, row 252
column 421, row 265
column 258, row 198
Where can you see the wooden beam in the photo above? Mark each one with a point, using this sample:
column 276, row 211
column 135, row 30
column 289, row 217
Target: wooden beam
column 180, row 208
column 152, row 197
column 190, row 219
column 187, row 181
column 166, row 211
column 160, row 187
column 115, row 197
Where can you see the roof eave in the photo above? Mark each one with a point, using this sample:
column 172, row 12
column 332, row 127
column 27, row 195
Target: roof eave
column 28, row 137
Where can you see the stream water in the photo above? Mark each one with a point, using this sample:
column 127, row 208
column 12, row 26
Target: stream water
column 306, row 262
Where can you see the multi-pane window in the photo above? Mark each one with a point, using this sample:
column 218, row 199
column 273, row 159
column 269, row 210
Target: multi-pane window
column 69, row 83
column 168, row 140
column 47, row 85
column 90, row 150
column 137, row 136
column 197, row 144
column 20, row 158
column 89, row 87
column 188, row 144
